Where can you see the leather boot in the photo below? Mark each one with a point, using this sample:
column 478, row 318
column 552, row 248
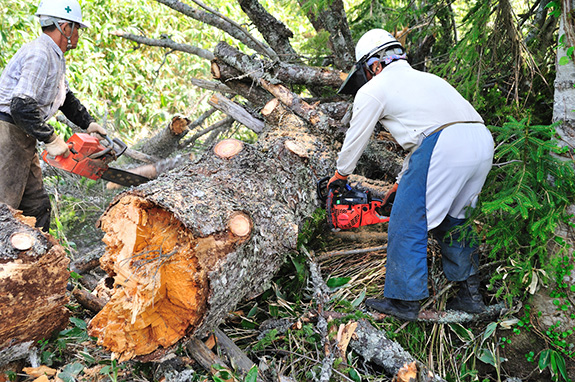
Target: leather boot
column 468, row 298
column 406, row 310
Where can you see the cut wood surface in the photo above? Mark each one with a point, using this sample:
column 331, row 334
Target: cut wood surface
column 33, row 278
column 179, row 265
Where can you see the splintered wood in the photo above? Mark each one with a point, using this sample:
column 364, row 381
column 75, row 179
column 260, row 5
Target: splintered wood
column 33, row 278
column 159, row 290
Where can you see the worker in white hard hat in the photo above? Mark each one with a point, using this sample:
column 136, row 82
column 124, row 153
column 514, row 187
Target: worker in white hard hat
column 33, row 88
column 450, row 152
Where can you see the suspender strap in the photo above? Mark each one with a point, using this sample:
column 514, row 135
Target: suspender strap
column 449, row 124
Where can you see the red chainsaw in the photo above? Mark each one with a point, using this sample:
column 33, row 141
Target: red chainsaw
column 90, row 159
column 350, row 207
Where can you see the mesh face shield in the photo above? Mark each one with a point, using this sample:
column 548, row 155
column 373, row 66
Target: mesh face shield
column 355, row 79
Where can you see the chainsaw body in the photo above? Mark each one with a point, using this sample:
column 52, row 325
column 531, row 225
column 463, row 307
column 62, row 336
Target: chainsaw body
column 350, row 208
column 90, row 159
column 87, row 157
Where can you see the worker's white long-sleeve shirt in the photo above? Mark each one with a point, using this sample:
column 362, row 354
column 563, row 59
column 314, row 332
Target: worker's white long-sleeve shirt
column 407, row 103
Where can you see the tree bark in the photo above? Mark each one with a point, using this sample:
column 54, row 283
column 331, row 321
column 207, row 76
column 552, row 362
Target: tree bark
column 374, row 346
column 276, row 72
column 33, row 278
column 276, row 33
column 237, row 112
column 165, row 142
column 185, row 248
column 334, row 20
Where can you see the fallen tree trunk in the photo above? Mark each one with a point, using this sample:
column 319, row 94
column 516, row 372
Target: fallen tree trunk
column 33, row 278
column 185, row 248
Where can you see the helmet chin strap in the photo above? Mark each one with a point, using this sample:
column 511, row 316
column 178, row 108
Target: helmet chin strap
column 68, row 38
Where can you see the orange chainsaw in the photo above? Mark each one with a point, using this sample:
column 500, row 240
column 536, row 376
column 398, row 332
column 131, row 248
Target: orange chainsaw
column 348, row 207
column 90, row 159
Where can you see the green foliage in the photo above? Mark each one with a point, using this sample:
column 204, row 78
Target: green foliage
column 531, row 186
column 556, row 364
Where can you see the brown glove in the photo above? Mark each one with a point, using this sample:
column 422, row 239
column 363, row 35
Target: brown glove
column 95, row 129
column 56, row 146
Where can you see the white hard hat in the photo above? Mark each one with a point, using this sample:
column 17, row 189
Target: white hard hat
column 374, row 41
column 53, row 11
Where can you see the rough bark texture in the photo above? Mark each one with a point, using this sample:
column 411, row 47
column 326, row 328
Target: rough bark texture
column 32, row 286
column 374, row 346
column 177, row 266
column 334, row 20
column 165, row 142
column 239, row 84
column 278, row 71
column 276, row 33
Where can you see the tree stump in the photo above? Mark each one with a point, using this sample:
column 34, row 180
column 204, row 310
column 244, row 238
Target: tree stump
column 33, row 279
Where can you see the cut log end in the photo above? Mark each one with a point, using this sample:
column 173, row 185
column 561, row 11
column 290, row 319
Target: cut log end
column 179, row 125
column 215, row 70
column 407, row 373
column 159, row 289
column 270, row 107
column 228, row 148
column 240, row 224
column 22, row 241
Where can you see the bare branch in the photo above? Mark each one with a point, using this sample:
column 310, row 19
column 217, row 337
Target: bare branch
column 218, row 22
column 166, row 42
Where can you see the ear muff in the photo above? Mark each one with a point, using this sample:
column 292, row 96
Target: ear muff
column 355, row 80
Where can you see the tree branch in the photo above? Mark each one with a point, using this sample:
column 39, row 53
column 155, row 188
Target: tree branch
column 166, row 42
column 218, row 22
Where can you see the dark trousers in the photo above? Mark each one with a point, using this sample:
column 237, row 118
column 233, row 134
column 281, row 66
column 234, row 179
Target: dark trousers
column 21, row 185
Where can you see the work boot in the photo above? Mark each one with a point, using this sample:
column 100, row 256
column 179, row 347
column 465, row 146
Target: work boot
column 468, row 298
column 406, row 310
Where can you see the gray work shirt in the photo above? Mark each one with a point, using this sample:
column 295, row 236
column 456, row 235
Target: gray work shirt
column 37, row 71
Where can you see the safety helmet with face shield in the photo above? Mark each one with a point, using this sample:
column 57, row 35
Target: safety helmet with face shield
column 374, row 45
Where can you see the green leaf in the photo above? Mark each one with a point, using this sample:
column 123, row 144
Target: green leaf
column 335, row 282
column 558, row 365
column 489, row 331
column 487, row 357
column 544, row 359
column 564, row 60
column 252, row 375
column 361, row 297
column 464, row 334
column 353, row 374
column 79, row 323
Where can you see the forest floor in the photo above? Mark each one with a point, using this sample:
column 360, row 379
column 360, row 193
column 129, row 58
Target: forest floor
column 353, row 265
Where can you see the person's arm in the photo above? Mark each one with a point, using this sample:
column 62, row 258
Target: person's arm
column 75, row 111
column 78, row 114
column 26, row 115
column 366, row 112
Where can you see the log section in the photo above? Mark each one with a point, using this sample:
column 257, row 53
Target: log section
column 185, row 248
column 33, row 278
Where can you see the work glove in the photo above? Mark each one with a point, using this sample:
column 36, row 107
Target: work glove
column 337, row 182
column 96, row 130
column 56, row 146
